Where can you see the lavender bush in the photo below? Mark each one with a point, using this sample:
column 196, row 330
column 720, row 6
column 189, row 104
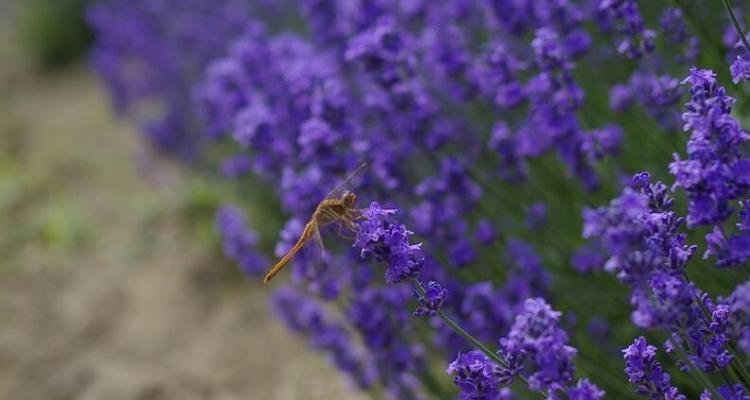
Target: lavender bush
column 524, row 157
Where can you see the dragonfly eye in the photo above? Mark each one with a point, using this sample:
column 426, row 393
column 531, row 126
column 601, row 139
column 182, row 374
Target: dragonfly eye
column 349, row 199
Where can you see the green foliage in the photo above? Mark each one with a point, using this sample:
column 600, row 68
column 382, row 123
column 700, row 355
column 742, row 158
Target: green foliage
column 53, row 32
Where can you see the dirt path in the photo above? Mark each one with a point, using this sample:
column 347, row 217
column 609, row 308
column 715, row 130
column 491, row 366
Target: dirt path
column 103, row 292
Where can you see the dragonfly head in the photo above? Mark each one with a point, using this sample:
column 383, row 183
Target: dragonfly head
column 349, row 199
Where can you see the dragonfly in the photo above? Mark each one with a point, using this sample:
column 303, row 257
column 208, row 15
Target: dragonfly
column 337, row 207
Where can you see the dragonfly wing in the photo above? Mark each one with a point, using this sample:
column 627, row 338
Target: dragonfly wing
column 336, row 192
column 312, row 258
column 319, row 243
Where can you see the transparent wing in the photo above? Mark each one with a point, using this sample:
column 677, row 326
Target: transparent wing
column 336, row 192
column 313, row 257
column 319, row 244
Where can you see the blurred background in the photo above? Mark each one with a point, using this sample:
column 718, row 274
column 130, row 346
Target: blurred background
column 112, row 282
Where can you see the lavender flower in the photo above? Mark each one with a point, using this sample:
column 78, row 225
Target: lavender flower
column 625, row 17
column 475, row 374
column 656, row 94
column 706, row 337
column 646, row 373
column 381, row 318
column 495, row 74
column 485, row 232
column 388, row 242
column 508, row 147
column 236, row 166
column 715, row 172
column 554, row 96
column 536, row 216
column 303, row 315
column 641, row 235
column 445, row 198
column 675, row 31
column 585, row 390
column 239, row 241
column 727, row 392
column 588, row 258
column 728, row 251
column 537, row 337
column 431, row 301
column 740, row 68
column 140, row 54
column 646, row 252
column 383, row 51
column 484, row 311
column 740, row 315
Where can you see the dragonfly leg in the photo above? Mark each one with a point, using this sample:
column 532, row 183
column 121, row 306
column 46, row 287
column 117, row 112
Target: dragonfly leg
column 319, row 243
column 342, row 229
column 329, row 216
column 355, row 214
column 347, row 237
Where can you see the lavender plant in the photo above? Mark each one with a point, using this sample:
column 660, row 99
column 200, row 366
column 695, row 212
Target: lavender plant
column 506, row 143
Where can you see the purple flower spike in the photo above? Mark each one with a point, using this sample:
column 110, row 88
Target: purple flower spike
column 474, row 373
column 740, row 315
column 715, row 172
column 740, row 68
column 675, row 31
column 389, row 243
column 734, row 392
column 536, row 216
column 646, row 372
column 485, row 233
column 239, row 241
column 537, row 337
column 625, row 16
column 585, row 390
column 304, row 315
column 431, row 301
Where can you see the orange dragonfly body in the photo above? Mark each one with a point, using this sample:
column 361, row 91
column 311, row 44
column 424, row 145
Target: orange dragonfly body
column 337, row 207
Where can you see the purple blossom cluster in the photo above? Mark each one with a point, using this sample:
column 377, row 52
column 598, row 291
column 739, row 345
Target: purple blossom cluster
column 382, row 320
column 476, row 375
column 536, row 350
column 240, row 241
column 646, row 373
column 645, row 250
column 739, row 308
column 717, row 172
column 640, row 237
column 488, row 310
column 431, row 301
column 155, row 51
column 388, row 242
column 624, row 18
column 305, row 316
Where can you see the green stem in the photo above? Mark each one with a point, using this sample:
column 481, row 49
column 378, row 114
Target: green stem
column 733, row 374
column 730, row 12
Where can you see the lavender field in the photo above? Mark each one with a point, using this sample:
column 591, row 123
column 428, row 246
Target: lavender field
column 474, row 199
